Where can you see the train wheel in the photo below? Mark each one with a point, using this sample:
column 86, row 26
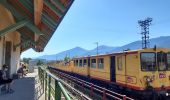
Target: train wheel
column 155, row 96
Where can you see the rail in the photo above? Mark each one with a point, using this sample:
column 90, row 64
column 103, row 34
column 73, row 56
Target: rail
column 105, row 92
column 52, row 86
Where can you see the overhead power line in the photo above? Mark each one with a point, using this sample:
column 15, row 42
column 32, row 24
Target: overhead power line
column 145, row 31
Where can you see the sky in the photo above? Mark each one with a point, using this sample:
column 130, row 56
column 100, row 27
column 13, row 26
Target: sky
column 108, row 22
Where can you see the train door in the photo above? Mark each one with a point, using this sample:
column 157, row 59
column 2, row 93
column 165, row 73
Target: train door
column 112, row 69
column 88, row 66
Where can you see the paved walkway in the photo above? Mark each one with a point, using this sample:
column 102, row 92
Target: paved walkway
column 27, row 88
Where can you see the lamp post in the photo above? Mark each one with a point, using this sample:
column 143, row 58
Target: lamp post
column 97, row 47
column 56, row 58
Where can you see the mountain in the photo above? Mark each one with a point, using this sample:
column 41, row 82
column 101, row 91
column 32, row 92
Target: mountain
column 163, row 41
column 101, row 50
column 77, row 51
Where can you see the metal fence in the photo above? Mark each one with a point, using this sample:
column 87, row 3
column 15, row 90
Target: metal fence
column 52, row 86
column 102, row 93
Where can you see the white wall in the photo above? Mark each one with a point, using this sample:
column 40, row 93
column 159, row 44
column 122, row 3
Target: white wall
column 7, row 19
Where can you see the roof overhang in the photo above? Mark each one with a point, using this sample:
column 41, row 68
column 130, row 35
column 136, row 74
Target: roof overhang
column 36, row 20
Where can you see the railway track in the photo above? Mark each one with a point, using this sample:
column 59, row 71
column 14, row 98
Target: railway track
column 89, row 90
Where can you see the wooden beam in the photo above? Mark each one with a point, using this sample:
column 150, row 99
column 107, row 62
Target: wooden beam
column 14, row 27
column 59, row 5
column 53, row 8
column 12, row 10
column 34, row 29
column 29, row 25
column 26, row 32
column 22, row 43
column 38, row 7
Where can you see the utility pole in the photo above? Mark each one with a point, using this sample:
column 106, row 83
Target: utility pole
column 97, row 47
column 56, row 58
column 145, row 31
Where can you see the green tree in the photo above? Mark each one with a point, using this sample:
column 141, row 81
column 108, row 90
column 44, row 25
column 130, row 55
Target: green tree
column 66, row 58
column 39, row 63
column 26, row 60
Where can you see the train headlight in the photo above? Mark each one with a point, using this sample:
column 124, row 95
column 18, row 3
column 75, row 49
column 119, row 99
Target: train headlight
column 167, row 94
column 149, row 78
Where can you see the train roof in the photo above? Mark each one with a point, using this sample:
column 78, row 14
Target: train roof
column 117, row 53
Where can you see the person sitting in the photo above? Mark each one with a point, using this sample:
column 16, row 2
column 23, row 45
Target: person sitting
column 21, row 71
column 4, row 80
column 24, row 70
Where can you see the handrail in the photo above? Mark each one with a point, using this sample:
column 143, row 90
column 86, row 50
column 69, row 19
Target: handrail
column 45, row 75
column 95, row 87
column 67, row 85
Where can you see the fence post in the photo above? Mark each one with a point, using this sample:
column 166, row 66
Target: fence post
column 124, row 97
column 104, row 94
column 57, row 91
column 91, row 90
column 49, row 87
column 43, row 78
column 82, row 86
column 38, row 71
column 45, row 86
column 40, row 74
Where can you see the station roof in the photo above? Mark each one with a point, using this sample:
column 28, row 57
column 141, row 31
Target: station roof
column 36, row 20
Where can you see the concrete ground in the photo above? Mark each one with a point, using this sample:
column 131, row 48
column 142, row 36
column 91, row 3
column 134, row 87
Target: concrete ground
column 27, row 88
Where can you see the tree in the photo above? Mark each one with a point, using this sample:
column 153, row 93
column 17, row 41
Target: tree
column 39, row 63
column 66, row 58
column 26, row 60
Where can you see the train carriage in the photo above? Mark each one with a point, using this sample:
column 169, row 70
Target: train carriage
column 81, row 66
column 66, row 66
column 99, row 67
column 144, row 71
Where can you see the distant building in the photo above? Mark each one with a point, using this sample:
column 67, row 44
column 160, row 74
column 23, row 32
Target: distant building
column 33, row 64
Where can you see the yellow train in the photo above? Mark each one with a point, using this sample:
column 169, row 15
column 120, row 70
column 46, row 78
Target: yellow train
column 144, row 71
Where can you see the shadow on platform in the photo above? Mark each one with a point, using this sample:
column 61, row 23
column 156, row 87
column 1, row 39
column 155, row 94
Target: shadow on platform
column 27, row 88
column 24, row 89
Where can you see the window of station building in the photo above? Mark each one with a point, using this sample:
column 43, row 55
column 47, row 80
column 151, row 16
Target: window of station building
column 168, row 61
column 80, row 63
column 119, row 63
column 84, row 62
column 148, row 61
column 162, row 61
column 93, row 63
column 100, row 63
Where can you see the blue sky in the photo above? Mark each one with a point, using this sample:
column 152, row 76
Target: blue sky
column 108, row 22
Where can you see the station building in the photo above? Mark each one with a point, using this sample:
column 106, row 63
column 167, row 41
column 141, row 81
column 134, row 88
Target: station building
column 26, row 24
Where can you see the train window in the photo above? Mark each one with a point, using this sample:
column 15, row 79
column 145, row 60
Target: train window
column 100, row 63
column 168, row 61
column 93, row 63
column 84, row 62
column 119, row 63
column 148, row 61
column 77, row 62
column 162, row 61
column 80, row 63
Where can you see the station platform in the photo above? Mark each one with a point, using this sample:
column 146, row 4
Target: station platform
column 26, row 88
